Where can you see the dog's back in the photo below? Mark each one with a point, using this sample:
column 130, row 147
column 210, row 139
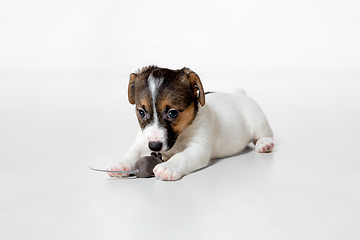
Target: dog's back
column 234, row 120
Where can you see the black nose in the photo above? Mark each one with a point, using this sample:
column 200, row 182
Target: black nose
column 155, row 146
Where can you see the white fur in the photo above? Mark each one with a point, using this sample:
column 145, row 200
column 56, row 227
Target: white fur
column 154, row 133
column 154, row 85
column 223, row 127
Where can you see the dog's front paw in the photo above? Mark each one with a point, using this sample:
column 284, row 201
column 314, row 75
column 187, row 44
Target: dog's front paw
column 167, row 171
column 119, row 167
column 264, row 145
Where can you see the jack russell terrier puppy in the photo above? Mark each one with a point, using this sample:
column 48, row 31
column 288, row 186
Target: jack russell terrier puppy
column 175, row 121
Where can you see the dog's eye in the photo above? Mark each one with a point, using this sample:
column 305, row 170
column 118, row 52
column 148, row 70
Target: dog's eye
column 172, row 114
column 141, row 112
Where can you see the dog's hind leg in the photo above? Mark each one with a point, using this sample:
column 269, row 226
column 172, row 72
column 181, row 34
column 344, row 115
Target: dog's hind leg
column 264, row 145
column 263, row 138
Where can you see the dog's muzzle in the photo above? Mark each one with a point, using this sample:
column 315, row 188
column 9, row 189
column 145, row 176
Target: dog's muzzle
column 155, row 146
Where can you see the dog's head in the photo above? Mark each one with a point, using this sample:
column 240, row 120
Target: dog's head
column 167, row 101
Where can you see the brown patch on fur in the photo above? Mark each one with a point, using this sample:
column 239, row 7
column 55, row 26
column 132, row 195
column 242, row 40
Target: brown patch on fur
column 186, row 114
column 195, row 81
column 165, row 104
column 131, row 88
column 184, row 119
column 137, row 83
column 145, row 104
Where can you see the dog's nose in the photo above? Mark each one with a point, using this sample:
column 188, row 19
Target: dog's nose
column 155, row 146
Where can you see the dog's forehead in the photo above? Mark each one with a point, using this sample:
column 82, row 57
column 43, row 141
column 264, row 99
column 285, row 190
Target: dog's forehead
column 165, row 85
column 169, row 78
column 173, row 90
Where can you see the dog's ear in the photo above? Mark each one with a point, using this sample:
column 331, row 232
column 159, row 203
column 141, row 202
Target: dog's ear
column 131, row 88
column 134, row 77
column 196, row 83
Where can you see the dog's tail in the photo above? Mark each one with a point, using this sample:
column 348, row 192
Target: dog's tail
column 240, row 91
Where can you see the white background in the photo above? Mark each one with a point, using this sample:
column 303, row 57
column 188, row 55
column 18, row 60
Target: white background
column 209, row 36
column 64, row 68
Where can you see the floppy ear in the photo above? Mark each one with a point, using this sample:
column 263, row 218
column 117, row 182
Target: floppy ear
column 195, row 81
column 131, row 88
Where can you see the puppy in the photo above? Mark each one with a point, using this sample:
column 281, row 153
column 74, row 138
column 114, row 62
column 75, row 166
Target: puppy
column 175, row 121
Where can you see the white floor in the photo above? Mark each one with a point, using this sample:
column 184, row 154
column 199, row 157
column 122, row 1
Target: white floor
column 53, row 126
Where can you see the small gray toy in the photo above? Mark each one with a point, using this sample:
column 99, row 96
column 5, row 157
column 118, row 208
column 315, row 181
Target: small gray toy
column 143, row 167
